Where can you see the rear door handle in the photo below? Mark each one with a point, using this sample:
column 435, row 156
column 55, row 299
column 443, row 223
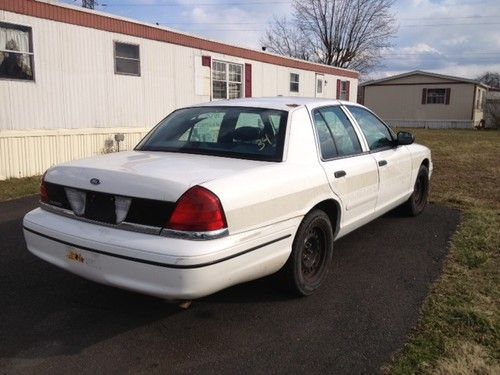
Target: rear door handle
column 382, row 163
column 339, row 174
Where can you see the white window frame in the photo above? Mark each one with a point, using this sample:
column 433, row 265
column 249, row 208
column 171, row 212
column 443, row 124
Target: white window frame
column 295, row 81
column 227, row 64
column 29, row 53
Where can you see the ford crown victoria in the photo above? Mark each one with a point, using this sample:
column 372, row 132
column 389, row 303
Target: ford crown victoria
column 225, row 192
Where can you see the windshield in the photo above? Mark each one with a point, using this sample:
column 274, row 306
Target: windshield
column 239, row 132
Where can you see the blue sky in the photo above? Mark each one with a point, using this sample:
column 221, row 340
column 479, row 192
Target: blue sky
column 456, row 37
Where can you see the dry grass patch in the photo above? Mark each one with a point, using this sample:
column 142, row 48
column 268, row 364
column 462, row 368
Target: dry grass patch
column 469, row 359
column 19, row 187
column 466, row 165
column 459, row 332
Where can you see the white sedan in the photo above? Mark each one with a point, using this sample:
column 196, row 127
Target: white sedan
column 225, row 192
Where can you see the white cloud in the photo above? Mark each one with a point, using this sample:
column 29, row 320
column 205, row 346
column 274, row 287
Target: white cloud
column 450, row 36
column 200, row 15
column 456, row 41
column 239, row 25
column 470, row 70
column 419, row 48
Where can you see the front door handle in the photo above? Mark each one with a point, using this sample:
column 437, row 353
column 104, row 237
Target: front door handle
column 339, row 174
column 382, row 163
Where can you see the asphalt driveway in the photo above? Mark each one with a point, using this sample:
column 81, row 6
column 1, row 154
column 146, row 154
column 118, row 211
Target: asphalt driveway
column 54, row 322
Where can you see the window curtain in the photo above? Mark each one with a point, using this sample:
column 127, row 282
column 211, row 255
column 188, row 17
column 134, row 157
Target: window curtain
column 16, row 40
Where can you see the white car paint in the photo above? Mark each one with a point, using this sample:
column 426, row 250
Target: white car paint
column 144, row 174
column 264, row 203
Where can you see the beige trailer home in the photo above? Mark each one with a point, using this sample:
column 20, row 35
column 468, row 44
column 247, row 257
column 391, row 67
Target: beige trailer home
column 77, row 77
column 423, row 99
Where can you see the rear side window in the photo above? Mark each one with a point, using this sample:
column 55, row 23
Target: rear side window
column 249, row 133
column 376, row 133
column 336, row 133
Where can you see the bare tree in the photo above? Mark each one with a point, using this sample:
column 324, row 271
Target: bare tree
column 90, row 4
column 491, row 79
column 343, row 33
column 285, row 39
column 492, row 102
column 492, row 113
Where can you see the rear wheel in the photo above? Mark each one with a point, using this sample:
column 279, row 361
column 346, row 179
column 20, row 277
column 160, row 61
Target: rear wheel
column 418, row 200
column 311, row 255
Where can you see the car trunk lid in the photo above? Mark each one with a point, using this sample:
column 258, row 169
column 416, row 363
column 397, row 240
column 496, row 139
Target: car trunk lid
column 163, row 176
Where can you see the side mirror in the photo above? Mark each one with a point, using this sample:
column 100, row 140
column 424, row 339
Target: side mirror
column 405, row 138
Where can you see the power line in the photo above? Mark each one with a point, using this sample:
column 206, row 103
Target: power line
column 266, row 23
column 213, row 23
column 246, row 3
column 426, row 25
column 453, row 24
column 249, row 2
column 447, row 18
column 444, row 58
column 432, row 54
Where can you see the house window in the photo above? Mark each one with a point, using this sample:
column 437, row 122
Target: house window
column 344, row 93
column 343, row 90
column 127, row 59
column 319, row 85
column 294, row 82
column 227, row 80
column 16, row 52
column 436, row 96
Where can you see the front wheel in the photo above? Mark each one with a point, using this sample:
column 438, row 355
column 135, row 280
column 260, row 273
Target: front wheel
column 311, row 254
column 418, row 200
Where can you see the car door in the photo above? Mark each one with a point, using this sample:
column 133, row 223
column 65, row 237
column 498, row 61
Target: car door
column 394, row 162
column 351, row 172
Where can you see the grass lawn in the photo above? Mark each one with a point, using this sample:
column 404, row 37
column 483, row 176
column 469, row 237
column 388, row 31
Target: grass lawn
column 19, row 187
column 459, row 332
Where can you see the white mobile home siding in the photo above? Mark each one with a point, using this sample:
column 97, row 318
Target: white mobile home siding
column 76, row 100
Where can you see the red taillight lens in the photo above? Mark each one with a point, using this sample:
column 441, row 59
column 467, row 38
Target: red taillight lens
column 198, row 210
column 44, row 194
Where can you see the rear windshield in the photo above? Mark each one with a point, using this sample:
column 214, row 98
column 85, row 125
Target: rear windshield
column 239, row 132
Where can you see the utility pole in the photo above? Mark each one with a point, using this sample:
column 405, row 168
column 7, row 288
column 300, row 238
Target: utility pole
column 89, row 4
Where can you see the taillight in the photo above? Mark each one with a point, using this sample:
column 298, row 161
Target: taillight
column 198, row 210
column 44, row 194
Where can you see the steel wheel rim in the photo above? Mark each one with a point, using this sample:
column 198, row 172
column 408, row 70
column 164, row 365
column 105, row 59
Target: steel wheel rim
column 313, row 255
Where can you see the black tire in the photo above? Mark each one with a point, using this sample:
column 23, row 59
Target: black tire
column 311, row 255
column 418, row 200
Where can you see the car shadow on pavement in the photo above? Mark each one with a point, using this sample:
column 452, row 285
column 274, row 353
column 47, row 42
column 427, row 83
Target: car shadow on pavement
column 381, row 273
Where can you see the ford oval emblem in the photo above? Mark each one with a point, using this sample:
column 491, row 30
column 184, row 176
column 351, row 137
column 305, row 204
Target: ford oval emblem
column 95, row 181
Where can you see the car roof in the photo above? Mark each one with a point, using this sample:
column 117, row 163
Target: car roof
column 279, row 102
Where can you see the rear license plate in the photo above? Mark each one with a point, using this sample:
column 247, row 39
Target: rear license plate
column 100, row 207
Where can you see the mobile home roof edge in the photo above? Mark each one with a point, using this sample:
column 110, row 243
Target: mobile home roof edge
column 65, row 13
column 421, row 72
